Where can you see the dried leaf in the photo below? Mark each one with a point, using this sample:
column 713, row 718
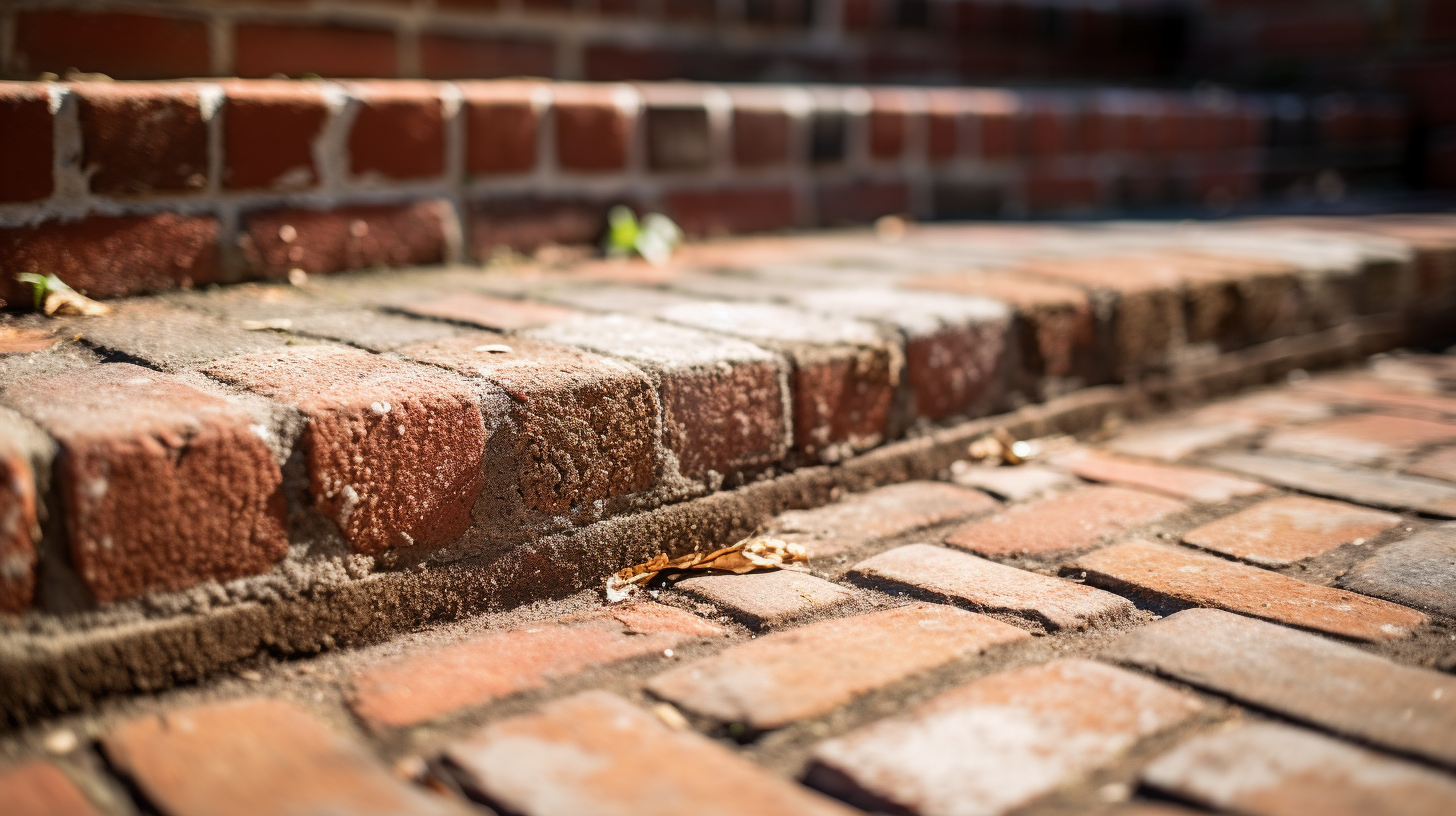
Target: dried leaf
column 70, row 302
column 757, row 552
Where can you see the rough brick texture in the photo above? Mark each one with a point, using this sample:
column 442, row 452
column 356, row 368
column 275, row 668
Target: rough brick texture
column 766, row 599
column 1179, row 482
column 433, row 682
column 262, row 50
column 592, row 128
column 488, row 312
column 595, row 752
column 393, row 450
column 164, row 486
column 269, row 132
column 1290, row 529
column 985, row 586
column 501, row 123
column 25, row 460
column 256, row 756
column 143, row 140
column 1418, row 572
column 1327, row 684
column 398, row 132
column 323, row 241
column 28, row 141
column 882, row 513
column 122, row 45
column 810, row 671
column 1068, row 522
column 39, row 788
column 1000, row 742
column 1361, row 439
column 1369, row 487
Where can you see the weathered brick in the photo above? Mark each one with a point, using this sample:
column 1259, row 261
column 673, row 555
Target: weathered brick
column 844, row 371
column 358, row 237
column 882, row 513
column 25, row 462
column 953, row 344
column 1365, row 392
column 140, row 515
column 1266, row 408
column 27, row 139
column 807, row 672
column 1274, row 769
column 1014, row 484
column 586, row 427
column 393, row 449
column 103, row 257
column 1174, row 441
column 985, row 586
column 119, row 44
column 443, row 56
column 38, row 788
column 399, row 131
column 269, row 130
column 1064, row 523
column 526, row 223
column 767, row 599
column 1304, row 677
column 255, row 756
column 675, row 128
column 1361, row 439
column 595, row 752
column 1000, row 742
column 1054, row 321
column 1418, row 572
column 1194, row 484
column 488, row 312
column 264, row 49
column 140, row 140
column 501, row 123
column 721, row 211
column 1286, row 530
column 592, row 127
column 434, row 682
column 1369, row 487
column 1181, row 577
column 761, row 136
column 841, row 202
column 173, row 339
column 724, row 401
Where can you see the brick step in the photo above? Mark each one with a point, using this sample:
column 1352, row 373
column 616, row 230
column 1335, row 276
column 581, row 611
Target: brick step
column 899, row 673
column 122, row 188
column 199, row 474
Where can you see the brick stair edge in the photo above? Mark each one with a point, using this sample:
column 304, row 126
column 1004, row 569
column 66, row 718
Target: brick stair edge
column 52, row 672
column 123, row 188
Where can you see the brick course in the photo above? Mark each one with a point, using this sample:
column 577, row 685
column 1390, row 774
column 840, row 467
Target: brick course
column 1065, row 523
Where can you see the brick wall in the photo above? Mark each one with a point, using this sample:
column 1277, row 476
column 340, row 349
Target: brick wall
column 718, row 40
column 129, row 187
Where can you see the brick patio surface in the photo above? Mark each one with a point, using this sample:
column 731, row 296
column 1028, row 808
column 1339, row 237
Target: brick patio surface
column 338, row 546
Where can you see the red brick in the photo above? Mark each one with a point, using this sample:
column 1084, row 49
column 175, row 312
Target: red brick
column 1013, row 484
column 614, row 63
column 985, row 586
column 882, row 513
column 943, row 125
column 726, row 211
column 1336, row 687
column 434, row 682
column 1055, row 320
column 767, row 599
column 489, row 312
column 844, row 371
column 724, row 401
column 761, row 138
column 140, row 515
column 262, row 50
column 1068, row 522
column 1341, row 481
column 110, row 257
column 998, row 126
column 1051, row 130
column 1194, row 484
column 525, row 224
column 1183, row 577
column 393, row 450
column 118, row 44
column 1283, row 771
column 38, row 788
column 1360, row 391
column 1419, row 572
column 1048, row 190
column 399, row 132
column 1172, row 441
column 269, row 130
column 501, row 123
column 1361, row 439
column 860, row 202
column 998, row 743
column 889, row 123
column 449, row 57
column 810, row 671
column 27, row 140
column 1438, row 465
column 19, row 522
column 533, row 765
column 142, row 139
column 587, row 427
column 257, row 757
column 323, row 241
column 1283, row 531
column 676, row 134
column 592, row 127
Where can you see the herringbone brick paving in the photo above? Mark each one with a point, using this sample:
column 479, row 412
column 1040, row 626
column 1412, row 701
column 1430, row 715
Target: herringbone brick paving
column 1165, row 609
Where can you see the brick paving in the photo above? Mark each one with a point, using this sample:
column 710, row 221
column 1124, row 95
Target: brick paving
column 350, row 560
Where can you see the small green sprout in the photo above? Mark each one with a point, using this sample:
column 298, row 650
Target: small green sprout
column 654, row 238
